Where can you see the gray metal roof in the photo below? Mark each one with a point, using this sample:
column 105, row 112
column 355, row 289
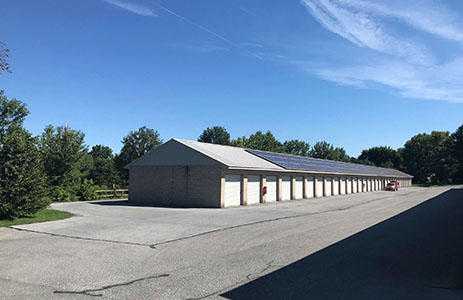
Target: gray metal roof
column 175, row 152
column 233, row 157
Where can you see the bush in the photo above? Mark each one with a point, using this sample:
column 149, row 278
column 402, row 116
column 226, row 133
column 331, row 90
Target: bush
column 62, row 194
column 87, row 191
column 22, row 178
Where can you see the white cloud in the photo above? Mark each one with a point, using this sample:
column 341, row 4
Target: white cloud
column 423, row 15
column 362, row 29
column 391, row 58
column 439, row 82
column 132, row 7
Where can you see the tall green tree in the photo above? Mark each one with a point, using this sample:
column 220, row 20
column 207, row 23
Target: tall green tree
column 382, row 157
column 134, row 145
column 215, row 135
column 22, row 178
column 103, row 172
column 325, row 150
column 296, row 147
column 428, row 158
column 66, row 160
column 456, row 150
column 263, row 141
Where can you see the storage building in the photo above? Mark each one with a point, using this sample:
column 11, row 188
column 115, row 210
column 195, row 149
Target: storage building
column 185, row 173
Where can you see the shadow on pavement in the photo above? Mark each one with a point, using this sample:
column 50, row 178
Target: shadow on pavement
column 417, row 254
column 128, row 203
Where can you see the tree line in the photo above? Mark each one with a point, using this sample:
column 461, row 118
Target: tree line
column 57, row 165
column 432, row 158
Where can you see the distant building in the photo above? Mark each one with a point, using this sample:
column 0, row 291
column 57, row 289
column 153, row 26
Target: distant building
column 185, row 173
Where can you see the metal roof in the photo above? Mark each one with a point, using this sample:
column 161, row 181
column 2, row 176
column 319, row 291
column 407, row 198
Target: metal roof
column 233, row 157
column 308, row 164
column 247, row 159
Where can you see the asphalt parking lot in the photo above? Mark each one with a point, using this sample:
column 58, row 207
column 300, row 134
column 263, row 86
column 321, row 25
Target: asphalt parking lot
column 351, row 246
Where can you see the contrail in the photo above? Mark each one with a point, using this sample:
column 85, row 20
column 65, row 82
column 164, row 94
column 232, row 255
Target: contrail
column 205, row 29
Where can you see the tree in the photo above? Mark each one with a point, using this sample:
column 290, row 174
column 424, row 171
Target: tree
column 456, row 150
column 22, row 178
column 103, row 172
column 382, row 157
column 134, row 145
column 296, row 147
column 263, row 141
column 4, row 55
column 215, row 135
column 428, row 158
column 325, row 150
column 66, row 160
column 239, row 142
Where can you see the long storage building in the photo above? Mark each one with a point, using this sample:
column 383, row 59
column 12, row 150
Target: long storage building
column 185, row 173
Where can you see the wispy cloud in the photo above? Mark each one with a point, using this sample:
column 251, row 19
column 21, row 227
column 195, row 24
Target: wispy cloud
column 362, row 29
column 394, row 59
column 133, row 7
column 423, row 15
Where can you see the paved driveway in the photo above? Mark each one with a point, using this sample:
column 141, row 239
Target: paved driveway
column 115, row 250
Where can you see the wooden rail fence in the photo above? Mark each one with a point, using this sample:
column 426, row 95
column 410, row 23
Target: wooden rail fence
column 113, row 194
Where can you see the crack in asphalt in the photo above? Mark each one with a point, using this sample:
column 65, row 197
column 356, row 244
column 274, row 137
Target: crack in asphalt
column 80, row 238
column 271, row 220
column 267, row 267
column 94, row 292
column 153, row 246
column 248, row 277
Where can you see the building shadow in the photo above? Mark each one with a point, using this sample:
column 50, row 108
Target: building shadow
column 126, row 202
column 417, row 254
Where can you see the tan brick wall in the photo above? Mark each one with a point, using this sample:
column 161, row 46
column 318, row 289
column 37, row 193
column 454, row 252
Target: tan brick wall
column 175, row 186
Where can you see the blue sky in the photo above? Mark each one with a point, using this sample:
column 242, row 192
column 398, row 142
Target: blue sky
column 356, row 73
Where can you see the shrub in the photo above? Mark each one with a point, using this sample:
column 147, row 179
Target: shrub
column 62, row 194
column 22, row 178
column 87, row 191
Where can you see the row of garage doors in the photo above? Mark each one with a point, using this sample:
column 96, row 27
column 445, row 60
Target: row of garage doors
column 315, row 187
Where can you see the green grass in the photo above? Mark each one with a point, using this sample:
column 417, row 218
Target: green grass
column 41, row 216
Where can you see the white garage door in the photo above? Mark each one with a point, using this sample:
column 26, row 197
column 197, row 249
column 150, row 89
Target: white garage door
column 342, row 183
column 328, row 186
column 271, row 189
column 286, row 188
column 310, row 187
column 354, row 185
column 318, row 187
column 335, row 186
column 232, row 190
column 253, row 190
column 349, row 186
column 298, row 189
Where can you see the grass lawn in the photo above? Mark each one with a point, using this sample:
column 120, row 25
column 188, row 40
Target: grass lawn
column 41, row 216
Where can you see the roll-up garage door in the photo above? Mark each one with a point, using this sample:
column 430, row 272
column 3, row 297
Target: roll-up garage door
column 336, row 186
column 271, row 189
column 349, row 186
column 286, row 188
column 354, row 185
column 232, row 191
column 318, row 187
column 342, row 188
column 298, row 188
column 253, row 190
column 328, row 186
column 310, row 187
